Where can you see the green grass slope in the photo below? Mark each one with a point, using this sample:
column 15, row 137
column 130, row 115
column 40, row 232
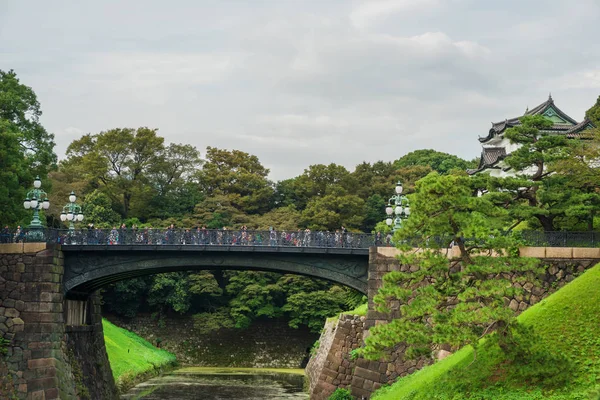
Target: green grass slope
column 560, row 361
column 131, row 356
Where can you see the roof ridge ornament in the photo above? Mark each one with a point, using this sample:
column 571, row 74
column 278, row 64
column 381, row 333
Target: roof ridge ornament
column 550, row 96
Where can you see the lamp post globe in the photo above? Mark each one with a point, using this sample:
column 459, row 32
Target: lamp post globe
column 36, row 200
column 398, row 208
column 72, row 212
column 399, row 188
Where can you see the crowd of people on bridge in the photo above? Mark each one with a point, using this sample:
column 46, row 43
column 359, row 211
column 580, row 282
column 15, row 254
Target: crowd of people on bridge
column 7, row 235
column 123, row 235
column 203, row 236
column 171, row 235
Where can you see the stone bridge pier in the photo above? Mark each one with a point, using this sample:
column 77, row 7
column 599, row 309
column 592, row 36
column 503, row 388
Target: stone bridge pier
column 50, row 316
column 54, row 348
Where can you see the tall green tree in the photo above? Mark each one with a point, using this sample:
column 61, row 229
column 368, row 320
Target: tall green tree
column 173, row 178
column 238, row 176
column 143, row 177
column 378, row 178
column 540, row 193
column 26, row 148
column 118, row 161
column 20, row 114
column 436, row 160
column 317, row 180
column 97, row 209
column 581, row 177
column 313, row 308
column 333, row 211
column 451, row 298
column 12, row 172
column 257, row 294
column 373, row 212
column 218, row 211
column 593, row 114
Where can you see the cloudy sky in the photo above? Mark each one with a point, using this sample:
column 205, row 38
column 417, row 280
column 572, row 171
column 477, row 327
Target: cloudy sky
column 302, row 82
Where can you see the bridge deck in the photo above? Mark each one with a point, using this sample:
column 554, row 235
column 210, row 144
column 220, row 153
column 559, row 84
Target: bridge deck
column 213, row 248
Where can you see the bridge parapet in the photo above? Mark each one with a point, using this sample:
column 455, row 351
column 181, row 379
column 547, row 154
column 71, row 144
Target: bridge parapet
column 575, row 253
column 207, row 237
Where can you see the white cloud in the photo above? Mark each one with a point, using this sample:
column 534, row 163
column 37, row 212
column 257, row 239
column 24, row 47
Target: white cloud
column 298, row 83
column 158, row 69
column 368, row 12
column 586, row 79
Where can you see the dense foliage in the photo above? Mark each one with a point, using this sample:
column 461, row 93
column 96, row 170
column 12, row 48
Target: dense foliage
column 463, row 298
column 593, row 114
column 26, row 149
column 544, row 194
column 130, row 176
column 557, row 359
column 341, row 394
column 437, row 161
column 232, row 298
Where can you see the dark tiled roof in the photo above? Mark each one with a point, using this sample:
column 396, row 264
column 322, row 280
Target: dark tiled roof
column 550, row 102
column 499, row 127
column 576, row 132
column 491, row 155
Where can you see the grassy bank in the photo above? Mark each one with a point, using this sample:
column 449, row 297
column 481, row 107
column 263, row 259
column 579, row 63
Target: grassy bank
column 560, row 361
column 132, row 358
column 359, row 310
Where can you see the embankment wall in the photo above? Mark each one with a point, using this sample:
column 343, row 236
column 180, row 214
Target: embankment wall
column 562, row 266
column 46, row 358
column 268, row 343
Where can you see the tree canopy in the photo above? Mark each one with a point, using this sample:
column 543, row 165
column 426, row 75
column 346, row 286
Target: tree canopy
column 449, row 298
column 26, row 148
column 436, row 160
column 593, row 114
column 543, row 193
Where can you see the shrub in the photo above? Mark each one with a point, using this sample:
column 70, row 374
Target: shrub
column 341, row 394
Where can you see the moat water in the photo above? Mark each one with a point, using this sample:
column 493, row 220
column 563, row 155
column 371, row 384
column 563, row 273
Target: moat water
column 223, row 384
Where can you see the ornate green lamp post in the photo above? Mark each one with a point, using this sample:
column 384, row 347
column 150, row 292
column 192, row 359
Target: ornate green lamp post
column 399, row 207
column 71, row 212
column 36, row 200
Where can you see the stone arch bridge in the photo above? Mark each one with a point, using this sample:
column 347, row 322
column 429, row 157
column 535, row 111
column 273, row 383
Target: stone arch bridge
column 90, row 267
column 95, row 258
column 51, row 317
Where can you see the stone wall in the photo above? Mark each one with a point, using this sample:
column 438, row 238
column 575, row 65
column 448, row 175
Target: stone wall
column 87, row 354
column 37, row 364
column 268, row 343
column 320, row 352
column 339, row 367
column 562, row 266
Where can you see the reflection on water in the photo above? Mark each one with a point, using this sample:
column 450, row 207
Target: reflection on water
column 222, row 384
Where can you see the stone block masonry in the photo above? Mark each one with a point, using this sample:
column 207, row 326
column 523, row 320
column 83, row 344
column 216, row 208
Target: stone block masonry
column 362, row 376
column 267, row 343
column 334, row 366
column 37, row 364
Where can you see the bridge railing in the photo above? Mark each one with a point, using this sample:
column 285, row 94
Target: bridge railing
column 209, row 237
column 560, row 239
column 224, row 237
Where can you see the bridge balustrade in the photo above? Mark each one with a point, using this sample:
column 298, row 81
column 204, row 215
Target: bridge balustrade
column 302, row 238
column 202, row 237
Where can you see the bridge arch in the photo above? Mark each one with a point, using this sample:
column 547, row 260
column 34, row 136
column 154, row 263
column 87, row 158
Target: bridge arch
column 88, row 268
